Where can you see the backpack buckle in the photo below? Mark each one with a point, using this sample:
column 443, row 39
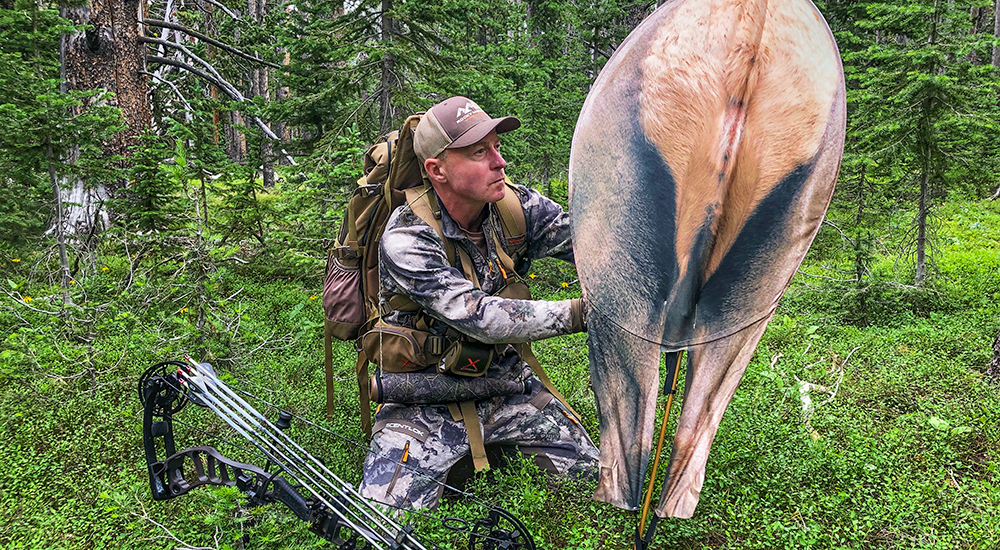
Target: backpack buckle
column 434, row 345
column 345, row 252
column 369, row 190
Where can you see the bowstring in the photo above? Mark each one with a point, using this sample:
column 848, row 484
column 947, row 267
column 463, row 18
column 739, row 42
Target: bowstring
column 258, row 430
column 444, row 521
column 465, row 494
column 470, row 496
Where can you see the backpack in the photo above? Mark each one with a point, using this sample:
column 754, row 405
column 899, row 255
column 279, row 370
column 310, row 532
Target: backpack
column 351, row 284
column 392, row 177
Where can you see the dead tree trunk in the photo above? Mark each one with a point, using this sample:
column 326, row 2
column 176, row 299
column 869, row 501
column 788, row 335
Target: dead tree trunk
column 282, row 131
column 386, row 110
column 259, row 87
column 921, row 268
column 107, row 56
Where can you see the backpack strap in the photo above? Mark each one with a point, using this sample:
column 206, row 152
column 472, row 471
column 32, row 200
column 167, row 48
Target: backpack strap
column 474, row 430
column 524, row 350
column 328, row 363
column 424, row 204
column 364, row 393
column 515, row 226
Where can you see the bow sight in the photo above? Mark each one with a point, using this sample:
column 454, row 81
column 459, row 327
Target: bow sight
column 335, row 511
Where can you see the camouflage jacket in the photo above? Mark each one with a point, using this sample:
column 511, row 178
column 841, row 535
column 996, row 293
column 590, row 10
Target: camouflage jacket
column 413, row 262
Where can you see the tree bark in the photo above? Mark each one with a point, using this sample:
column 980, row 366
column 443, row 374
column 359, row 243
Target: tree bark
column 107, row 56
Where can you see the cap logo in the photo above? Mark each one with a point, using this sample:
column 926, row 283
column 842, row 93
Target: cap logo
column 465, row 113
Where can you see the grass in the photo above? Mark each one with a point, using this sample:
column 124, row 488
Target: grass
column 904, row 454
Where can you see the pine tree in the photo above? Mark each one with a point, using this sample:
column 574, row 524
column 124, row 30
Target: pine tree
column 924, row 114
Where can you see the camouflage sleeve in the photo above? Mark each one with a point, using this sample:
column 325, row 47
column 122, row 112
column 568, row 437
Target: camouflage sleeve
column 413, row 262
column 548, row 226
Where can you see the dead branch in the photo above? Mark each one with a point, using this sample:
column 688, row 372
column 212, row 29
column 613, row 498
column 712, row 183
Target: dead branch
column 230, row 13
column 187, row 106
column 220, row 83
column 210, row 40
column 16, row 296
column 168, row 534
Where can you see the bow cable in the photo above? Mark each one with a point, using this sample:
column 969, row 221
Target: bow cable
column 231, row 408
column 484, row 533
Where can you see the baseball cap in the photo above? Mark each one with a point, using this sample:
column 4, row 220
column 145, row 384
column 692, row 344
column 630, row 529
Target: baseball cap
column 456, row 122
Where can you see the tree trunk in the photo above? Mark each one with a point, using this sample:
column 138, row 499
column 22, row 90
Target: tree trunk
column 107, row 56
column 58, row 226
column 860, row 253
column 545, row 175
column 281, row 95
column 977, row 17
column 259, row 87
column 386, row 113
column 925, row 172
column 926, row 143
column 236, row 143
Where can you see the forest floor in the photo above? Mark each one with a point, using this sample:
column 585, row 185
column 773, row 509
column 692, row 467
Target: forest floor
column 863, row 421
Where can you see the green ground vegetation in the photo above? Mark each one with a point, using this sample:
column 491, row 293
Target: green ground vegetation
column 863, row 421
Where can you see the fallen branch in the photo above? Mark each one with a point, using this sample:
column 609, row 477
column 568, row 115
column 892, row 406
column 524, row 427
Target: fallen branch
column 16, row 296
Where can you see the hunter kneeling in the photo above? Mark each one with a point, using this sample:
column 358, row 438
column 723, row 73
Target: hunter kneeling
column 451, row 266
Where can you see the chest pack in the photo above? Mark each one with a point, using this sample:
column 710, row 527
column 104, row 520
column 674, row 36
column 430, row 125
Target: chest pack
column 392, row 177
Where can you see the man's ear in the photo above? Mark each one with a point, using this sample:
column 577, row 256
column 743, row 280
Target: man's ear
column 434, row 169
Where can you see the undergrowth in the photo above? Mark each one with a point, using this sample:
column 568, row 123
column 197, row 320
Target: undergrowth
column 863, row 420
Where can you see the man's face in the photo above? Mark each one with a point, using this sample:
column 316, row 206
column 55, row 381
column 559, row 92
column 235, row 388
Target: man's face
column 475, row 174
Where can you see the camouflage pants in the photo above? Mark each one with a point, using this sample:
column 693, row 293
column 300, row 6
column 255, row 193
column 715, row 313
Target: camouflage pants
column 414, row 446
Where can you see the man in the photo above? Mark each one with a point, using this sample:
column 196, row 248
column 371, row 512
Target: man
column 414, row 446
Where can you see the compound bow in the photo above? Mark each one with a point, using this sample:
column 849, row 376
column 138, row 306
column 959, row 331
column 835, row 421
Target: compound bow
column 335, row 510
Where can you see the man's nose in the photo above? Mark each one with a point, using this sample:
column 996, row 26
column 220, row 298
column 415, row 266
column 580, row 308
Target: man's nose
column 498, row 161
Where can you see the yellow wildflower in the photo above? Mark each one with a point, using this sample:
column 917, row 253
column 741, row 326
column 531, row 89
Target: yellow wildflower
column 27, row 299
column 564, row 285
column 184, row 310
column 532, row 276
column 312, row 297
column 72, row 282
column 15, row 260
column 105, row 268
